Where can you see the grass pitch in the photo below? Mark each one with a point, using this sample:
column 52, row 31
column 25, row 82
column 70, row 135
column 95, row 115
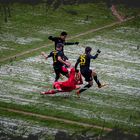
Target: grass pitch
column 118, row 65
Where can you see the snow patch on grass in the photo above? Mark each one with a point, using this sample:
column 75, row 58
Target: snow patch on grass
column 23, row 40
column 116, row 42
column 4, row 47
column 19, row 40
column 23, row 128
column 46, row 31
column 81, row 22
column 127, row 30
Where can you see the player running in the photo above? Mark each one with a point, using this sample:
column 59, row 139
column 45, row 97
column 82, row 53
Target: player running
column 85, row 70
column 58, row 62
column 62, row 39
column 73, row 82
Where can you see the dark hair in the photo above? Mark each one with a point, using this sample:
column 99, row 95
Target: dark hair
column 88, row 49
column 59, row 45
column 64, row 33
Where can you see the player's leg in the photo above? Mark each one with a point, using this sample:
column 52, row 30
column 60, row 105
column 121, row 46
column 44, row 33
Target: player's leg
column 57, row 85
column 96, row 78
column 50, row 92
column 90, row 83
column 64, row 71
column 88, row 78
column 57, row 74
column 94, row 74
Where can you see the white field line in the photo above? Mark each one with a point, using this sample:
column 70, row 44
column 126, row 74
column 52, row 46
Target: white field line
column 45, row 117
column 81, row 34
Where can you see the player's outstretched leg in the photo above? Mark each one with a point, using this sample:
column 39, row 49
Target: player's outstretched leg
column 97, row 81
column 84, row 88
column 49, row 92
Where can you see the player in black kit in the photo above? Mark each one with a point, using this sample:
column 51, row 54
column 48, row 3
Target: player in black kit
column 85, row 70
column 58, row 62
column 62, row 39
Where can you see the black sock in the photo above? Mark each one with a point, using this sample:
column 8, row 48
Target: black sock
column 97, row 81
column 84, row 88
column 56, row 78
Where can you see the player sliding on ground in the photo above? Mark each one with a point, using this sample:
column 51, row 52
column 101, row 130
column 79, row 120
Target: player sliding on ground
column 85, row 70
column 73, row 82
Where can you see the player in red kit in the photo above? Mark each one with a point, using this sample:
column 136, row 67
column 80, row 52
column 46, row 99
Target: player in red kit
column 75, row 79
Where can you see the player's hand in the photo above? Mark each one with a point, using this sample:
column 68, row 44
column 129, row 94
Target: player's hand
column 76, row 43
column 98, row 51
column 50, row 37
column 43, row 53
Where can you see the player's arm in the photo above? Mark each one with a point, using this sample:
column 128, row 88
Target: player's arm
column 46, row 56
column 80, row 80
column 71, row 43
column 52, row 38
column 96, row 55
column 76, row 64
column 64, row 62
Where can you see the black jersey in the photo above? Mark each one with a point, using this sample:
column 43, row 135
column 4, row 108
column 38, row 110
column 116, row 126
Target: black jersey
column 54, row 55
column 59, row 40
column 84, row 61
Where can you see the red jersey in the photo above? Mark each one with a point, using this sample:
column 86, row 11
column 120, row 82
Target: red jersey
column 70, row 84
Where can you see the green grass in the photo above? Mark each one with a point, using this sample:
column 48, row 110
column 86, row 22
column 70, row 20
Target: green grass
column 42, row 122
column 118, row 64
column 57, row 124
column 30, row 23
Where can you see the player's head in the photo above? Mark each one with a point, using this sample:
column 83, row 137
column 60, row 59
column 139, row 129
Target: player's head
column 63, row 35
column 88, row 50
column 59, row 46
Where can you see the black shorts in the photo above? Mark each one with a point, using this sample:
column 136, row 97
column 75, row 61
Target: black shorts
column 60, row 70
column 87, row 74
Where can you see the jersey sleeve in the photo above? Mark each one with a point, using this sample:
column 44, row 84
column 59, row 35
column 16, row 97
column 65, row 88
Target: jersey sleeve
column 94, row 56
column 52, row 38
column 76, row 64
column 69, row 43
column 50, row 55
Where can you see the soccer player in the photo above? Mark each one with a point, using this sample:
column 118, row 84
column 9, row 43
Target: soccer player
column 73, row 82
column 62, row 39
column 85, row 70
column 58, row 62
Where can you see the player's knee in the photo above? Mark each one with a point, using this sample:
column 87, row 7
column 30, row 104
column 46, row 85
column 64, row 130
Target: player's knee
column 94, row 73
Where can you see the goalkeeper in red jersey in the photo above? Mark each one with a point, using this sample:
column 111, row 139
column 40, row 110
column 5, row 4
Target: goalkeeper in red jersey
column 73, row 82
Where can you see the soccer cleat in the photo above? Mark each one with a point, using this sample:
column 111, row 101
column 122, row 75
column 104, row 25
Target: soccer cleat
column 102, row 85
